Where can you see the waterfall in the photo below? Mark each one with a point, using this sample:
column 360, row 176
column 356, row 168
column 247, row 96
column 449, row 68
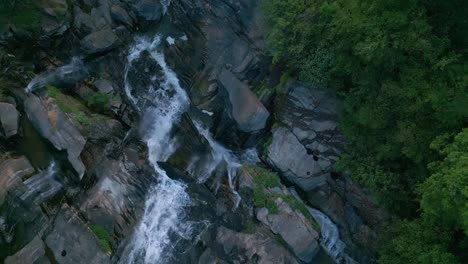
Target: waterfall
column 42, row 186
column 330, row 237
column 165, row 205
column 70, row 73
column 221, row 154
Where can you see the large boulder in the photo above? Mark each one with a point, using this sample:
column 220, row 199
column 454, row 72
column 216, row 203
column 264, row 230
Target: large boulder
column 294, row 228
column 34, row 252
column 121, row 15
column 149, row 10
column 247, row 110
column 100, row 41
column 71, row 241
column 9, row 119
column 311, row 114
column 287, row 154
column 55, row 126
column 259, row 247
column 11, row 173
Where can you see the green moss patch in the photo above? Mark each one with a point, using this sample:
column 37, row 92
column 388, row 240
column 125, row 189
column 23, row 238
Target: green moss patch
column 266, row 179
column 23, row 14
column 103, row 236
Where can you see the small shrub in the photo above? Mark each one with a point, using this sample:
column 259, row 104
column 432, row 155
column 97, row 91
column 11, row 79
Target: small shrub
column 99, row 102
column 266, row 146
column 250, row 227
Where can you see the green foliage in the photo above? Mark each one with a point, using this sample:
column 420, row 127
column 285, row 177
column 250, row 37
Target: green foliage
column 250, row 227
column 415, row 242
column 285, row 79
column 445, row 193
column 22, row 14
column 262, row 198
column 403, row 75
column 99, row 102
column 266, row 146
column 104, row 238
column 66, row 103
column 263, row 179
column 401, row 68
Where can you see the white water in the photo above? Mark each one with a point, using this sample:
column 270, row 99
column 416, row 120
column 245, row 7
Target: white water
column 330, row 242
column 166, row 201
column 68, row 73
column 221, row 154
column 42, row 186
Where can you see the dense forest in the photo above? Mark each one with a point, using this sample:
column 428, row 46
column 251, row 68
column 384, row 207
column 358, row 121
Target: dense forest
column 401, row 68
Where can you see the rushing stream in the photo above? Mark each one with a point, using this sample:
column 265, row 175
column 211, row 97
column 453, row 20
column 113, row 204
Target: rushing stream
column 331, row 238
column 164, row 207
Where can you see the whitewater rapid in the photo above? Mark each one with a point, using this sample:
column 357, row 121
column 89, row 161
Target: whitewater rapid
column 164, row 214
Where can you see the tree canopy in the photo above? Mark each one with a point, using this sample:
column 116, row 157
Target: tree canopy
column 401, row 68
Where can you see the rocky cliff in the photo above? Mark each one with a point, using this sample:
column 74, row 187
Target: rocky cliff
column 130, row 131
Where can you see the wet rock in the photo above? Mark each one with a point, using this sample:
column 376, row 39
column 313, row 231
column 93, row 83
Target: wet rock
column 288, row 155
column 294, row 228
column 55, row 126
column 247, row 110
column 31, row 253
column 71, row 241
column 100, row 41
column 312, row 114
column 259, row 247
column 9, row 120
column 120, row 15
column 149, row 10
column 11, row 173
column 104, row 86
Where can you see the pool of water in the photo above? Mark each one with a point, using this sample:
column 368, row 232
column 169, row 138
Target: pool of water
column 33, row 146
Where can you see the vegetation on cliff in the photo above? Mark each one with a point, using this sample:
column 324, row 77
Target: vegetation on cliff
column 401, row 69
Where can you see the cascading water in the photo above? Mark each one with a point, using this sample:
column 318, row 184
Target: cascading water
column 42, row 186
column 233, row 162
column 166, row 201
column 70, row 73
column 330, row 237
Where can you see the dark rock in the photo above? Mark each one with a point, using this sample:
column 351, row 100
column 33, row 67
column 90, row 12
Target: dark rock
column 120, row 15
column 71, row 241
column 9, row 120
column 104, row 86
column 259, row 247
column 100, row 41
column 289, row 156
column 11, row 173
column 149, row 10
column 31, row 253
column 55, row 126
column 247, row 110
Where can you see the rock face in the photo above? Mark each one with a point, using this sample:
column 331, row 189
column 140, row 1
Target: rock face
column 222, row 74
column 100, row 41
column 150, row 10
column 247, row 110
column 253, row 248
column 304, row 148
column 56, row 127
column 31, row 253
column 289, row 156
column 294, row 228
column 11, row 173
column 72, row 242
column 311, row 114
column 9, row 119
